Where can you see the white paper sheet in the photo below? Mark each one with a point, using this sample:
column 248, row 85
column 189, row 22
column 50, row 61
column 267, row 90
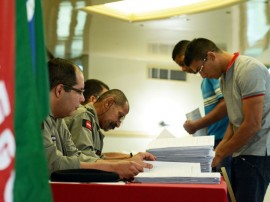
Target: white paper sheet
column 176, row 172
column 195, row 115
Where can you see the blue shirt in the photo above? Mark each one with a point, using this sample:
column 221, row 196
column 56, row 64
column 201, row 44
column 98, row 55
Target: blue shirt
column 211, row 95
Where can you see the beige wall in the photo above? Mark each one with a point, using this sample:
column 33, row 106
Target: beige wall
column 120, row 56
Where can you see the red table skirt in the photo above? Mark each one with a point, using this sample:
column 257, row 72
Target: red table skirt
column 135, row 192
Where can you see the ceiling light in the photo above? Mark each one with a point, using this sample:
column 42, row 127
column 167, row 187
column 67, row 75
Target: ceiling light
column 141, row 10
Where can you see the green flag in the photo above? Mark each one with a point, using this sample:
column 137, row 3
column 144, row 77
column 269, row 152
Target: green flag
column 31, row 104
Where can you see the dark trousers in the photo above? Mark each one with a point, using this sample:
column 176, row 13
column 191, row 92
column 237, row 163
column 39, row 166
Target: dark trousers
column 250, row 177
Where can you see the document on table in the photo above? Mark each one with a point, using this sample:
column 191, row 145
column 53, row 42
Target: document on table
column 171, row 169
column 184, row 149
column 193, row 116
column 177, row 172
column 187, row 141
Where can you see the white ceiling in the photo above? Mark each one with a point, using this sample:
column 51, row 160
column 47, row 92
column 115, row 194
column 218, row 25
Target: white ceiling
column 150, row 41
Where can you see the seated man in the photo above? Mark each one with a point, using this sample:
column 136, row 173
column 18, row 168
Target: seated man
column 66, row 94
column 106, row 113
column 93, row 89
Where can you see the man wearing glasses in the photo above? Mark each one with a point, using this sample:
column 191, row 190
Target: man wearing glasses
column 66, row 94
column 245, row 84
column 215, row 119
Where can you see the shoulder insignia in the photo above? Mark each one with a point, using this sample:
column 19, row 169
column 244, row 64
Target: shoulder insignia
column 87, row 124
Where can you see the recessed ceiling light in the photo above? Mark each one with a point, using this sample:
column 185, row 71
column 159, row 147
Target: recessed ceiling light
column 141, row 10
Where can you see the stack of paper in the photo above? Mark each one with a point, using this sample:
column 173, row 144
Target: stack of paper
column 186, row 149
column 175, row 172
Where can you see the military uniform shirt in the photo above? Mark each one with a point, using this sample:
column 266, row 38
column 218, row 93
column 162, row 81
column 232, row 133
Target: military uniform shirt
column 85, row 130
column 60, row 150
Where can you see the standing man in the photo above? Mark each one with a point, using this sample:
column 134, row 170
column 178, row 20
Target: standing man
column 66, row 94
column 215, row 119
column 245, row 84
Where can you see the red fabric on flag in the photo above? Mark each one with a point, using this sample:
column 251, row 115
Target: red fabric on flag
column 7, row 62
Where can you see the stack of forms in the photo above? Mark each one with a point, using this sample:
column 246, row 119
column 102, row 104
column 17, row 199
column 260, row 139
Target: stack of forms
column 181, row 160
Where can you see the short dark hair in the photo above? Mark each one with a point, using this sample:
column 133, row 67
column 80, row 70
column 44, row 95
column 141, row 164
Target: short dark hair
column 93, row 87
column 119, row 97
column 62, row 71
column 180, row 48
column 198, row 48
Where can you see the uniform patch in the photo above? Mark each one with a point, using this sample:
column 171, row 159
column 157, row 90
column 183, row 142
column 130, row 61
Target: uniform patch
column 87, row 124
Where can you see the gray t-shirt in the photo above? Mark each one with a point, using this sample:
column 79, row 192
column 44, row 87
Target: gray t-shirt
column 246, row 78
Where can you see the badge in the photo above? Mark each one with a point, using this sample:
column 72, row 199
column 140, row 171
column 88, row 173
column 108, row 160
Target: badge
column 87, row 124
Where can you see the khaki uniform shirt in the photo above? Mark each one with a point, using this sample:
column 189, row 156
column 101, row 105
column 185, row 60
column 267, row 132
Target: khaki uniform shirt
column 60, row 150
column 85, row 130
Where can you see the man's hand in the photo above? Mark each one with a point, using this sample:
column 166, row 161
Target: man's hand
column 190, row 126
column 143, row 156
column 129, row 169
column 216, row 160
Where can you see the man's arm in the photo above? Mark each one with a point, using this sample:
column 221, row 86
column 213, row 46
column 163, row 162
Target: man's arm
column 227, row 136
column 60, row 151
column 218, row 113
column 139, row 156
column 125, row 169
column 115, row 156
column 252, row 113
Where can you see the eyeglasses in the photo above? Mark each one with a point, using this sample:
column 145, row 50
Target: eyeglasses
column 201, row 67
column 79, row 91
